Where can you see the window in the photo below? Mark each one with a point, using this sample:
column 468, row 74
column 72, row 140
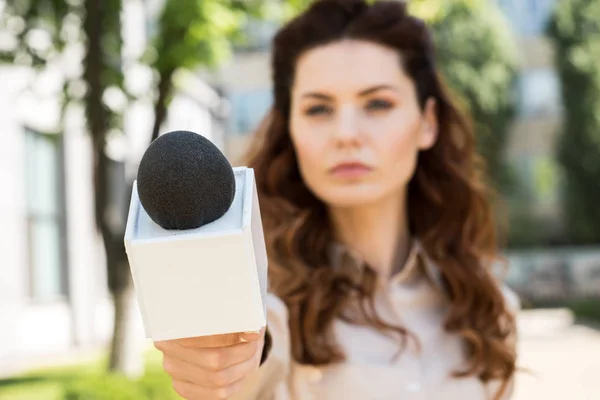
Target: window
column 539, row 92
column 534, row 7
column 249, row 108
column 539, row 175
column 528, row 17
column 45, row 216
column 257, row 35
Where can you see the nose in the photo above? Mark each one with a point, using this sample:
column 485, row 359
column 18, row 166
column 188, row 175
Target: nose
column 347, row 129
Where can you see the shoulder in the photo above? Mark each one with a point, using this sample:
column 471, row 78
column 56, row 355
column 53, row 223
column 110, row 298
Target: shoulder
column 277, row 319
column 276, row 308
column 511, row 298
column 270, row 378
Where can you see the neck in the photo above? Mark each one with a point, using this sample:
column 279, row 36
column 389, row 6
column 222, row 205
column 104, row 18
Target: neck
column 378, row 232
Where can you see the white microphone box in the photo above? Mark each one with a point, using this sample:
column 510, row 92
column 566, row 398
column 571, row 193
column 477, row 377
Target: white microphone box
column 205, row 281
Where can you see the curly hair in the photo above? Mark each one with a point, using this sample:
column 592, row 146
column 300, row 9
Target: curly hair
column 449, row 204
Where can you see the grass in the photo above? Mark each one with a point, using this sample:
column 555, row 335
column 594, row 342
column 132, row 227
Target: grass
column 586, row 310
column 48, row 384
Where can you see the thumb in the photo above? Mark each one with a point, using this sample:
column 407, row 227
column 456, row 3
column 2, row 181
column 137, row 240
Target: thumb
column 225, row 340
column 252, row 336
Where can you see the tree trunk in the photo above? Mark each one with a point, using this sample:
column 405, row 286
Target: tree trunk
column 125, row 350
column 165, row 86
column 111, row 194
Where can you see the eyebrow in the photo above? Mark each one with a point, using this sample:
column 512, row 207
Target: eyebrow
column 372, row 89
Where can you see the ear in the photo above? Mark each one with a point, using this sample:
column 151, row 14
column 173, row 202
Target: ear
column 429, row 125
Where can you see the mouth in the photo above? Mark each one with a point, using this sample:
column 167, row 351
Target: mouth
column 350, row 170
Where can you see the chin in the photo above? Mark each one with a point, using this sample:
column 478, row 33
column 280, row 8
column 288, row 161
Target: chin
column 350, row 195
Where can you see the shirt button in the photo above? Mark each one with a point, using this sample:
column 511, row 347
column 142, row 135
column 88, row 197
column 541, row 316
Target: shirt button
column 413, row 387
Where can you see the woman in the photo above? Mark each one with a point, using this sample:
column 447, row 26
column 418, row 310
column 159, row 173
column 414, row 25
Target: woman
column 378, row 229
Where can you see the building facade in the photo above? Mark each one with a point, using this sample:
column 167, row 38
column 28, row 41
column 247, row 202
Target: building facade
column 53, row 292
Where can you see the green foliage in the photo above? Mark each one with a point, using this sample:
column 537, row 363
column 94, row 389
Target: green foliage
column 586, row 309
column 188, row 34
column 200, row 32
column 107, row 387
column 193, row 32
column 575, row 33
column 154, row 385
column 82, row 377
column 477, row 57
column 36, row 25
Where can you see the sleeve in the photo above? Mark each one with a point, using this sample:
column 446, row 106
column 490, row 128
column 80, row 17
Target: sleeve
column 513, row 305
column 269, row 382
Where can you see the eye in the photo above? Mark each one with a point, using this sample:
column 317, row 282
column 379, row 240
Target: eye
column 378, row 104
column 318, row 110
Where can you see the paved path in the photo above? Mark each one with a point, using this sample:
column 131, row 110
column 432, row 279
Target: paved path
column 564, row 358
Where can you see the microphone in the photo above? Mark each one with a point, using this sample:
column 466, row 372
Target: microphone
column 184, row 181
column 195, row 242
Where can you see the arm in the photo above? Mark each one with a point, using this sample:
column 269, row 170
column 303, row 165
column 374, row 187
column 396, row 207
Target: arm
column 270, row 378
column 513, row 305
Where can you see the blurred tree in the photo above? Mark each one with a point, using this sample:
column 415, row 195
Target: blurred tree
column 192, row 33
column 478, row 59
column 49, row 33
column 575, row 32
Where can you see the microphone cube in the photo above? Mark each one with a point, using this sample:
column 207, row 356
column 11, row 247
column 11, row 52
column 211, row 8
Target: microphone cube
column 205, row 281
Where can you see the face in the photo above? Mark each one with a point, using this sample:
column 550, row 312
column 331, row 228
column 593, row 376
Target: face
column 356, row 124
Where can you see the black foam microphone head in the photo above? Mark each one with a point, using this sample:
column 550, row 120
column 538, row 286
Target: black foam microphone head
column 184, row 181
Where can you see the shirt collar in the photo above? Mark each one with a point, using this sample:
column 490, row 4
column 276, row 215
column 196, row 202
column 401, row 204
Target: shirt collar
column 412, row 265
column 417, row 263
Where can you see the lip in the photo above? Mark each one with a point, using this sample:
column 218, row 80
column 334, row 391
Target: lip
column 352, row 169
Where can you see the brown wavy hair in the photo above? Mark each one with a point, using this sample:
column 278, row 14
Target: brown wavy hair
column 449, row 206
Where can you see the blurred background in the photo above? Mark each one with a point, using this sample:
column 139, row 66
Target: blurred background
column 87, row 84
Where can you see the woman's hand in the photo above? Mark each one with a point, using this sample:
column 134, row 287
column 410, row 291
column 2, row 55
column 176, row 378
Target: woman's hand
column 211, row 367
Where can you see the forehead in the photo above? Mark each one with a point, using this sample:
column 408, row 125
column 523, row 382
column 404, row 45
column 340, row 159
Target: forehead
column 348, row 66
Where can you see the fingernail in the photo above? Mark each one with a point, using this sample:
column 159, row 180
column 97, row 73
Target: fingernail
column 242, row 340
column 252, row 333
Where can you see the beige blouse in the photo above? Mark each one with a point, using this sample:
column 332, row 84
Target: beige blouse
column 412, row 298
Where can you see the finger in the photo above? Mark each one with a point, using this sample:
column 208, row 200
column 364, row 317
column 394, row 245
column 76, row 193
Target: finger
column 190, row 391
column 221, row 340
column 225, row 340
column 183, row 371
column 190, row 367
column 211, row 341
column 213, row 359
column 233, row 374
